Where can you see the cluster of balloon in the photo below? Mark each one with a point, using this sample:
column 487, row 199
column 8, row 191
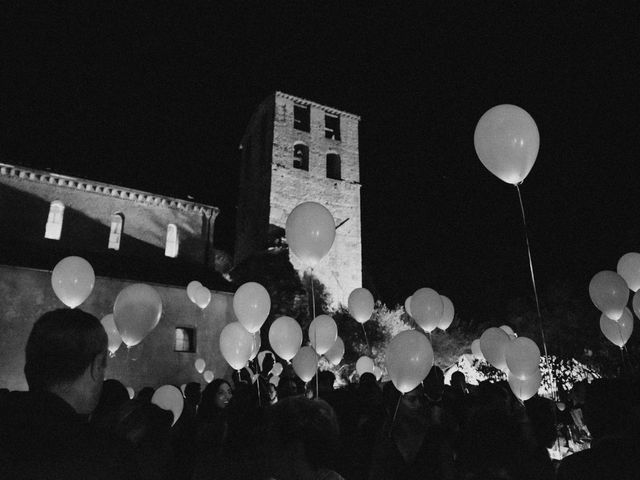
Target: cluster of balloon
column 310, row 231
column 336, row 352
column 115, row 340
column 169, row 398
column 285, row 337
column 305, row 363
column 136, row 312
column 72, row 280
column 430, row 310
column 236, row 345
column 251, row 304
column 507, row 141
column 609, row 292
column 364, row 365
column 323, row 333
column 361, row 304
column 208, row 376
column 200, row 365
column 199, row 294
column 518, row 357
column 409, row 358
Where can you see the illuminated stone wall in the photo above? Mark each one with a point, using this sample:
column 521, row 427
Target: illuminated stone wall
column 272, row 136
column 26, row 294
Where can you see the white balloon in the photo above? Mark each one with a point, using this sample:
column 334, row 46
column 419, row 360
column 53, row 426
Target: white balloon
column 364, row 365
column 525, row 388
column 493, row 344
column 447, row 315
column 323, row 333
column 170, row 398
column 191, row 290
column 208, row 376
column 629, row 269
column 200, row 364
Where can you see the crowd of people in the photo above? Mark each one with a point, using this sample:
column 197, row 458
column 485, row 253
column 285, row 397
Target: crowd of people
column 72, row 423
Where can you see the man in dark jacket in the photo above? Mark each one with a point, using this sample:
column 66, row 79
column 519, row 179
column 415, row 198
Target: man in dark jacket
column 44, row 432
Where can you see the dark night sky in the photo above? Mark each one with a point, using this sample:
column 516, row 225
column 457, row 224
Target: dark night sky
column 157, row 98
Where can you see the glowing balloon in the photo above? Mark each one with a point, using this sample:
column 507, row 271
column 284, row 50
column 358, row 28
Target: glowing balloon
column 251, row 304
column 629, row 269
column 609, row 293
column 427, row 308
column 527, row 387
column 275, row 380
column 235, row 345
column 364, row 365
column 191, row 290
column 377, row 371
column 208, row 376
column 305, row 363
column 407, row 306
column 115, row 340
column 493, row 344
column 509, row 331
column 72, row 280
column 131, row 392
column 277, row 369
column 507, row 142
column 255, row 346
column 285, row 337
column 336, row 352
column 202, row 297
column 200, row 365
column 361, row 304
column 310, row 231
column 168, row 397
column 522, row 356
column 409, row 358
column 447, row 314
column 136, row 311
column 476, row 350
column 323, row 333
column 617, row 332
column 636, row 304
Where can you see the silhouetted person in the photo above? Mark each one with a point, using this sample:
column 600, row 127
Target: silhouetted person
column 44, row 432
column 183, row 433
column 114, row 395
column 145, row 394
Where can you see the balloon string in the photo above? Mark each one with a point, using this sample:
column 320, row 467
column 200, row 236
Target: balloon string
column 395, row 413
column 535, row 293
column 366, row 339
column 313, row 307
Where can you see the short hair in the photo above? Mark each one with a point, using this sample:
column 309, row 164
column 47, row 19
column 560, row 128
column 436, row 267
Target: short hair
column 61, row 345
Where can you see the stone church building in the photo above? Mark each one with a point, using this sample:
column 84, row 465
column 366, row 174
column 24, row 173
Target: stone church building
column 293, row 150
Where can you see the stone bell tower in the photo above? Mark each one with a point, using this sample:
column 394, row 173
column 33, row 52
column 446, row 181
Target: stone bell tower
column 293, row 151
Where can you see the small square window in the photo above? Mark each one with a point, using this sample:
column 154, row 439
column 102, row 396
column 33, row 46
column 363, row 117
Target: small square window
column 301, row 118
column 185, row 340
column 332, row 127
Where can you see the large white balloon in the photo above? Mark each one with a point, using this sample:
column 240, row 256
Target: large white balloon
column 361, row 304
column 310, row 231
column 409, row 358
column 323, row 333
column 617, row 332
column 609, row 293
column 493, row 343
column 169, row 398
column 427, row 308
column 629, row 269
column 72, row 280
column 507, row 142
column 137, row 311
column 285, row 337
column 251, row 304
column 236, row 345
column 305, row 363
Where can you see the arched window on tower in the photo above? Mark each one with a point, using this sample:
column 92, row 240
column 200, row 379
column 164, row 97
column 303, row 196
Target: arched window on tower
column 300, row 156
column 117, row 224
column 171, row 247
column 54, row 220
column 333, row 166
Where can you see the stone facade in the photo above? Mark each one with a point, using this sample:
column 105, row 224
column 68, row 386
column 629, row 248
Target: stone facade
column 268, row 166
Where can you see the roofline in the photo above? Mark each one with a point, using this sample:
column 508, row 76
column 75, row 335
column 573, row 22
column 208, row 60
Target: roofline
column 101, row 188
column 317, row 105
